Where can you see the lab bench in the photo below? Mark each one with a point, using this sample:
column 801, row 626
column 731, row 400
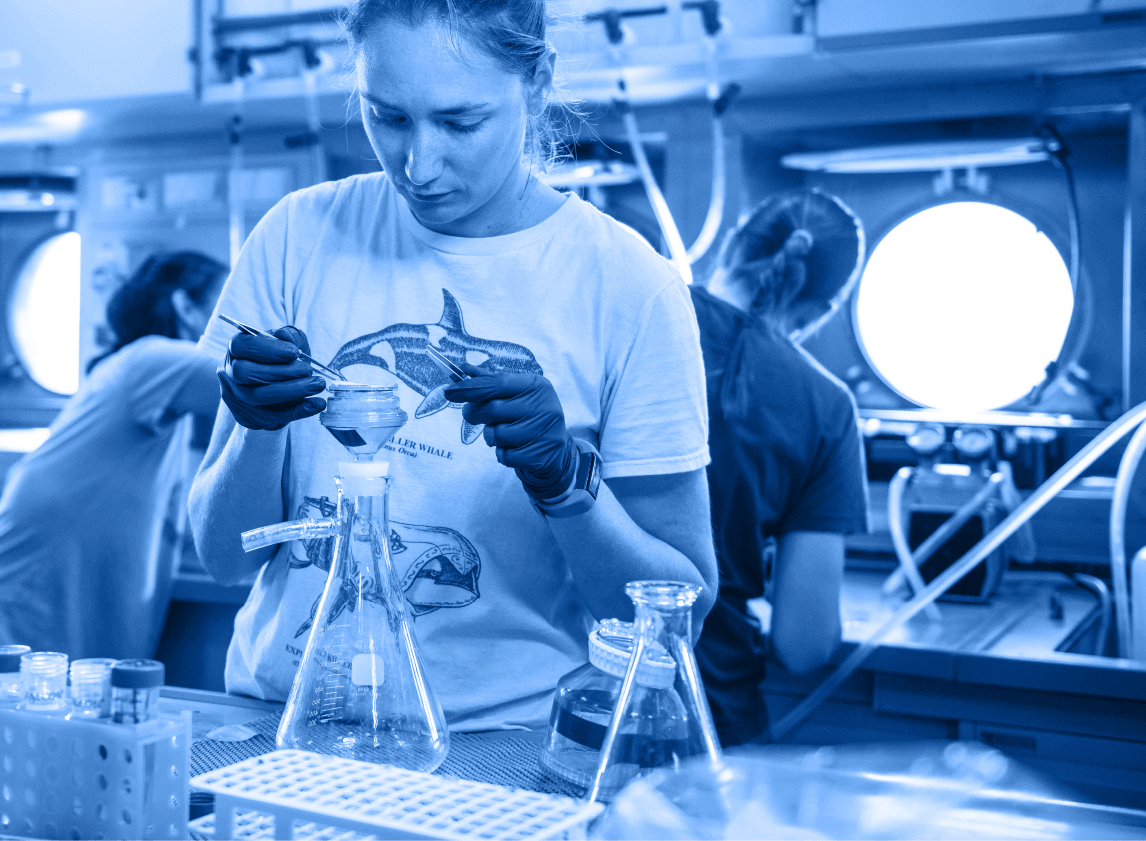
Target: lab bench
column 1001, row 673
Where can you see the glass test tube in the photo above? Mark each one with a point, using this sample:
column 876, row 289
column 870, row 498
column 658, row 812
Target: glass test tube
column 11, row 684
column 45, row 678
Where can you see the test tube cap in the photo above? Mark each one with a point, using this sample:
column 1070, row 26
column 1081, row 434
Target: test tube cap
column 10, row 657
column 138, row 674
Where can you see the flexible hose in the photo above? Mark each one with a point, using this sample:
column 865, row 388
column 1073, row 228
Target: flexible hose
column 314, row 125
column 907, row 567
column 308, row 529
column 990, row 542
column 715, row 215
column 235, row 194
column 1099, row 588
column 1127, row 468
column 677, row 252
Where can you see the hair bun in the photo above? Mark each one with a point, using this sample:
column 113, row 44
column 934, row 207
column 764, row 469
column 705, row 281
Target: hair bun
column 799, row 243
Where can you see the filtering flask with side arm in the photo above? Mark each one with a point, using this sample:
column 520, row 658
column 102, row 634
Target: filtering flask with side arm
column 361, row 691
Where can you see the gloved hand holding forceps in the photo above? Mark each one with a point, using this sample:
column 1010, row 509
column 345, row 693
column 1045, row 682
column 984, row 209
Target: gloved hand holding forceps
column 264, row 382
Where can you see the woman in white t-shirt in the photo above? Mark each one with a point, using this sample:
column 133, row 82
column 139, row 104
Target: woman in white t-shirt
column 573, row 328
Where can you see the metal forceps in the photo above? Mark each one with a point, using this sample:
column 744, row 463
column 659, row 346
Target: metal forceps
column 253, row 331
column 453, row 371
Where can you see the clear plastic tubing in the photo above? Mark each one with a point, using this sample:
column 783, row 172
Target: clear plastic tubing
column 135, row 690
column 990, row 542
column 11, row 685
column 91, row 687
column 1127, row 469
column 45, row 678
column 308, row 529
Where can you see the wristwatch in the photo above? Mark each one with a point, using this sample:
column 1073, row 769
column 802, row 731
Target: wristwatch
column 584, row 492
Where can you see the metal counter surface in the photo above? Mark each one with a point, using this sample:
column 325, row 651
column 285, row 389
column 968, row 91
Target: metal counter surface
column 986, row 672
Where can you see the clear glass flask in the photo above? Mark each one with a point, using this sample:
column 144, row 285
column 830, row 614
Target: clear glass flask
column 361, row 691
column 663, row 622
column 655, row 729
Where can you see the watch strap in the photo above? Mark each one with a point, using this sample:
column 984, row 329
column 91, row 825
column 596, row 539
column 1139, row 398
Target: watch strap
column 584, row 492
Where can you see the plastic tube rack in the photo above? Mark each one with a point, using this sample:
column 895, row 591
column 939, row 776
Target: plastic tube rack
column 62, row 778
column 306, row 794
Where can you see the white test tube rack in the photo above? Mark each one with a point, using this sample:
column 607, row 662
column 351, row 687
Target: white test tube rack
column 81, row 778
column 297, row 794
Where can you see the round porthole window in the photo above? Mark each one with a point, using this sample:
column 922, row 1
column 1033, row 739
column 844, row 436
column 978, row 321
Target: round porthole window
column 44, row 314
column 963, row 305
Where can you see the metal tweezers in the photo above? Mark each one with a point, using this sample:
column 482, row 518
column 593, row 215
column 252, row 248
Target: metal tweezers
column 253, row 331
column 455, row 373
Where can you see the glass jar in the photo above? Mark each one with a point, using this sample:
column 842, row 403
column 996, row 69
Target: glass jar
column 135, row 688
column 91, row 687
column 45, row 678
column 654, row 731
column 11, row 684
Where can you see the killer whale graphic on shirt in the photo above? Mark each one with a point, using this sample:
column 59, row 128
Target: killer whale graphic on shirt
column 413, row 366
column 436, row 566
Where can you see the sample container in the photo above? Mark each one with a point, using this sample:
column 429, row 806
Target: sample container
column 135, row 690
column 45, row 678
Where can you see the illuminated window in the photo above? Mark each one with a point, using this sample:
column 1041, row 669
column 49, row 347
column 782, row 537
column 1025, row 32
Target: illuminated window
column 962, row 306
column 45, row 314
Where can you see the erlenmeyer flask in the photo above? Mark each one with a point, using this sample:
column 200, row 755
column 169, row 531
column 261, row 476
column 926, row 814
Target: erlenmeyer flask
column 361, row 692
column 662, row 627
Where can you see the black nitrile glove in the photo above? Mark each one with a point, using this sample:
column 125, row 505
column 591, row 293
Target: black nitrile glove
column 524, row 421
column 265, row 384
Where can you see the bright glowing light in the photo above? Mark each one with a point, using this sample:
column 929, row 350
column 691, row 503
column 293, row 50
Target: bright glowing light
column 45, row 314
column 962, row 306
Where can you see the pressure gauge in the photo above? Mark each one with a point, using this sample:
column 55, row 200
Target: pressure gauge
column 927, row 439
column 973, row 442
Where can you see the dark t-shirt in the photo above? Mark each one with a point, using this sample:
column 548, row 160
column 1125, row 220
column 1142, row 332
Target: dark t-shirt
column 786, row 456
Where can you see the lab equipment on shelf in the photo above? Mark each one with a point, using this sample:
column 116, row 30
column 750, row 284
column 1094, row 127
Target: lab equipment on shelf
column 361, row 691
column 314, row 796
column 11, row 684
column 654, row 731
column 663, row 623
column 135, row 686
column 45, row 678
column 91, row 687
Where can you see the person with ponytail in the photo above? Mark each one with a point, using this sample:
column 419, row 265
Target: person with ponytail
column 91, row 523
column 787, row 476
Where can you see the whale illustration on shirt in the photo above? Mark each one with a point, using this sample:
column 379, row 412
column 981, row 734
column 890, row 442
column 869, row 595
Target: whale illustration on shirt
column 436, row 566
column 406, row 344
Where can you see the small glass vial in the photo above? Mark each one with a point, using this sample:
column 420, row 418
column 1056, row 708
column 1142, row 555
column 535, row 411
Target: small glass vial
column 45, row 677
column 11, row 684
column 135, row 690
column 91, row 687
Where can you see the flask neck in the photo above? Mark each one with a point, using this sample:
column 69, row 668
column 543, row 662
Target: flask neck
column 662, row 623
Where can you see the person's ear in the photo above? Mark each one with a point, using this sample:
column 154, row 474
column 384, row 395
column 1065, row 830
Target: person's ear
column 187, row 312
column 541, row 86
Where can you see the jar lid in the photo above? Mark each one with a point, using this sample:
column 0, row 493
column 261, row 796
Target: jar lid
column 10, row 657
column 611, row 647
column 137, row 674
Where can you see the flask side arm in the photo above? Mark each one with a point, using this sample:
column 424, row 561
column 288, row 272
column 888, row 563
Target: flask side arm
column 307, row 529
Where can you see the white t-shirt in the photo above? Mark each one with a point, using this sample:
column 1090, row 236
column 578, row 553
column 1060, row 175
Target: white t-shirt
column 579, row 298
